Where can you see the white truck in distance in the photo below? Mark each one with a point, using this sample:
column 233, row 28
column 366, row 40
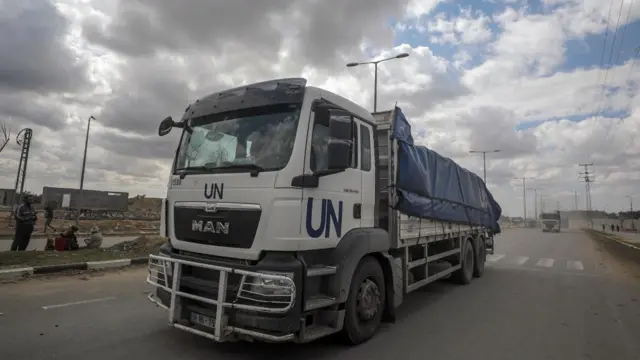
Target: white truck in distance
column 550, row 222
column 287, row 217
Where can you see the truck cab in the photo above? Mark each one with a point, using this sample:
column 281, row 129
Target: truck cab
column 267, row 180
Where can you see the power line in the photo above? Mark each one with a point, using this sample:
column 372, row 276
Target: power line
column 604, row 45
column 624, row 30
column 600, row 112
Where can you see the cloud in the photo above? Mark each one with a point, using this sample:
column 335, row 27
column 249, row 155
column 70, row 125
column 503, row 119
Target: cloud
column 34, row 56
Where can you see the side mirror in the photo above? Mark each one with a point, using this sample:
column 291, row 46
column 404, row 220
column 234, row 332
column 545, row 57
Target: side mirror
column 339, row 147
column 165, row 126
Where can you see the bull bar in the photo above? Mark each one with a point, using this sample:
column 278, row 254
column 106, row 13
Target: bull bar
column 160, row 266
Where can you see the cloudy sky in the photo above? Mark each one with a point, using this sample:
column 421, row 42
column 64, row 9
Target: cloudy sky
column 525, row 77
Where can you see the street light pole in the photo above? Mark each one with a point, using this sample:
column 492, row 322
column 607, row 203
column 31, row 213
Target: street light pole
column 484, row 160
column 84, row 163
column 375, row 75
column 524, row 195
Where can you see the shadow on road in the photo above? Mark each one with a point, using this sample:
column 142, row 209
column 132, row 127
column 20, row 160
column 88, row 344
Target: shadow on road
column 330, row 347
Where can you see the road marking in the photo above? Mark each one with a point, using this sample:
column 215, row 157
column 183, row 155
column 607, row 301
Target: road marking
column 545, row 262
column 545, row 271
column 575, row 265
column 521, row 260
column 494, row 257
column 47, row 307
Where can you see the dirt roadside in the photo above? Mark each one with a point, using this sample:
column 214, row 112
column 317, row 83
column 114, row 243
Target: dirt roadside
column 626, row 259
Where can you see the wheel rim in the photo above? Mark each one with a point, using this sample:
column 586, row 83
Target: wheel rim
column 368, row 299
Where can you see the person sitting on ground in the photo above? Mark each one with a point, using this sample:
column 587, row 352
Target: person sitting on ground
column 95, row 239
column 72, row 239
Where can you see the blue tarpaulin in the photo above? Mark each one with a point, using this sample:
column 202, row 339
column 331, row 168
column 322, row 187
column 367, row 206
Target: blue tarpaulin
column 435, row 187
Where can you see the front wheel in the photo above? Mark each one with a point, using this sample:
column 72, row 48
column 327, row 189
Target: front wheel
column 365, row 304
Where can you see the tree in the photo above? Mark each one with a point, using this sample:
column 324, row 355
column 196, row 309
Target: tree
column 5, row 133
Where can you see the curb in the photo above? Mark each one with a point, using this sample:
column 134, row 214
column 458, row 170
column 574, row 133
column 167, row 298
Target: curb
column 614, row 238
column 17, row 273
column 5, row 237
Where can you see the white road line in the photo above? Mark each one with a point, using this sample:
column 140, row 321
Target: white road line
column 521, row 260
column 47, row 307
column 494, row 257
column 545, row 262
column 575, row 265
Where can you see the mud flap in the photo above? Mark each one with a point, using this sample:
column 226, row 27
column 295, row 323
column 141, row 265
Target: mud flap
column 488, row 244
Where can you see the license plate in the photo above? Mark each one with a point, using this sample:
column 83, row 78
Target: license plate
column 203, row 320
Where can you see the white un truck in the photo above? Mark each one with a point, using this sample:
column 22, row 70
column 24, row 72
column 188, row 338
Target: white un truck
column 293, row 213
column 550, row 222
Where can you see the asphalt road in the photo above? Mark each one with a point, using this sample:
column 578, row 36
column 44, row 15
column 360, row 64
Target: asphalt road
column 39, row 243
column 543, row 296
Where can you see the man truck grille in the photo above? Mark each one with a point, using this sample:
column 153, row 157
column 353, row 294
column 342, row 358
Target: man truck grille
column 227, row 227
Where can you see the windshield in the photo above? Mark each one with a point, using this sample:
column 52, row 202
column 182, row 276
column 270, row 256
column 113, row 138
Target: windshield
column 549, row 217
column 256, row 138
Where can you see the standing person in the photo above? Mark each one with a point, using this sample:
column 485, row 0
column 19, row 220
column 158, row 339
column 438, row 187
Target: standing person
column 26, row 218
column 603, row 229
column 48, row 211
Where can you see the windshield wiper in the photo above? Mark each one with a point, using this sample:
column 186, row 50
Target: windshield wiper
column 190, row 169
column 255, row 169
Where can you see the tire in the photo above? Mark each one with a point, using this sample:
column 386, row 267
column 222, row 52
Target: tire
column 361, row 322
column 478, row 266
column 464, row 275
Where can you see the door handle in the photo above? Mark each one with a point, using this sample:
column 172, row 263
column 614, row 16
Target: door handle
column 357, row 211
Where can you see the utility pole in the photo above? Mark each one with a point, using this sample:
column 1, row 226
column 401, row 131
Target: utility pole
column 588, row 177
column 484, row 161
column 575, row 200
column 524, row 195
column 535, row 204
column 633, row 223
column 80, row 204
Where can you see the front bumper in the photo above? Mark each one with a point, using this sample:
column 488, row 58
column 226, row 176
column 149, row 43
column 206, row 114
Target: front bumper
column 241, row 301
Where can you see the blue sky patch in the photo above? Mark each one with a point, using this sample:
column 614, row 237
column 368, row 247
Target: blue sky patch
column 584, row 52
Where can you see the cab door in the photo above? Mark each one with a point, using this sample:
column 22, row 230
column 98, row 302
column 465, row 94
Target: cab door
column 334, row 206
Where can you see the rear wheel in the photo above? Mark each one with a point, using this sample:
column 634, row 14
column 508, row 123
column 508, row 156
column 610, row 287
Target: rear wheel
column 480, row 259
column 464, row 275
column 365, row 304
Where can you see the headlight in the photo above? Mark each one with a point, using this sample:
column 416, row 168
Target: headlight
column 273, row 287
